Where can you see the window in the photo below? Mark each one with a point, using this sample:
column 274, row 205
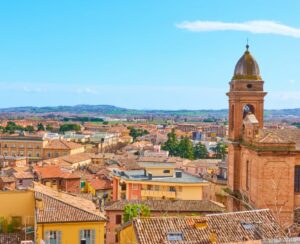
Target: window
column 123, row 187
column 156, row 188
column 52, row 237
column 166, row 171
column 172, row 188
column 176, row 236
column 49, row 155
column 17, row 222
column 21, row 182
column 247, row 175
column 118, row 219
column 38, row 155
column 87, row 237
column 297, row 179
column 149, row 187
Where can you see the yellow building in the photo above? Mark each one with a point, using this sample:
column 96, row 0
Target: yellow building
column 17, row 206
column 63, row 219
column 101, row 188
column 157, row 180
column 36, row 147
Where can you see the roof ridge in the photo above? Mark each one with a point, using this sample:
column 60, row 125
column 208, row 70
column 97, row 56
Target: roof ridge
column 240, row 212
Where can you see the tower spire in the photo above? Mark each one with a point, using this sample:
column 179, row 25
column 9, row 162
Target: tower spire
column 247, row 45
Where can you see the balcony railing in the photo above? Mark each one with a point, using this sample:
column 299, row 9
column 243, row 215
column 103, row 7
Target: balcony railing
column 150, row 193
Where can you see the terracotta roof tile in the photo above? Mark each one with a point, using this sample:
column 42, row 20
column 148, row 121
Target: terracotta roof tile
column 101, row 184
column 172, row 206
column 62, row 144
column 54, row 171
column 228, row 227
column 62, row 207
column 23, row 175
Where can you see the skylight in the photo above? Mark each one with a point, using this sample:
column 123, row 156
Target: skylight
column 175, row 236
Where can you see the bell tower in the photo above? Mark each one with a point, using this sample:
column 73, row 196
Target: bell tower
column 246, row 94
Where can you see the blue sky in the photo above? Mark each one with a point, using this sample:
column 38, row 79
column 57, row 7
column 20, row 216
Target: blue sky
column 145, row 54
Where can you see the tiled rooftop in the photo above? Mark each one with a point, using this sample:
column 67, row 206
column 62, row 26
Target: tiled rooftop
column 228, row 227
column 62, row 207
column 171, row 205
column 62, row 144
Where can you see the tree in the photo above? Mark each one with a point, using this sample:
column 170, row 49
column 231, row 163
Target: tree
column 49, row 127
column 40, row 127
column 69, row 127
column 171, row 145
column 29, row 128
column 220, row 150
column 134, row 133
column 200, row 151
column 185, row 148
column 133, row 210
column 11, row 127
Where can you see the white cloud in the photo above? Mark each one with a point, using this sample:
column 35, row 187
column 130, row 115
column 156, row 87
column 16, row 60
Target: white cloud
column 256, row 26
column 86, row 90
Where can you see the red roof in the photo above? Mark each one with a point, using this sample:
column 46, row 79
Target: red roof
column 54, row 171
column 100, row 184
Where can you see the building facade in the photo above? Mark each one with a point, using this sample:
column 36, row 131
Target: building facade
column 156, row 181
column 263, row 164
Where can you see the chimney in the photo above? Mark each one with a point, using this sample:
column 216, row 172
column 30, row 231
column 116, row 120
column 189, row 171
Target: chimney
column 149, row 176
column 39, row 204
column 213, row 237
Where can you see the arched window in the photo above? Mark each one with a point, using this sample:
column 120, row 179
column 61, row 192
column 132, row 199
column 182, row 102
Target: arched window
column 248, row 108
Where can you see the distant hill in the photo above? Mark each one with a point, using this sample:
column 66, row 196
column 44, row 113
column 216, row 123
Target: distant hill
column 113, row 110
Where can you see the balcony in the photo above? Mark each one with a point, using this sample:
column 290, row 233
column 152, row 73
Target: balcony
column 150, row 193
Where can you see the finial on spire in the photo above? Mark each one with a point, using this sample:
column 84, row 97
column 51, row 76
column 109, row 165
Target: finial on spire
column 247, row 46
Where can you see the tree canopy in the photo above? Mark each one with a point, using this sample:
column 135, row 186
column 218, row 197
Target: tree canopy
column 220, row 150
column 184, row 148
column 136, row 132
column 133, row 210
column 69, row 127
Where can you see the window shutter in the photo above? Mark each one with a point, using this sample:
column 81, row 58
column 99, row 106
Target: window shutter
column 93, row 236
column 46, row 237
column 81, row 235
column 58, row 236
